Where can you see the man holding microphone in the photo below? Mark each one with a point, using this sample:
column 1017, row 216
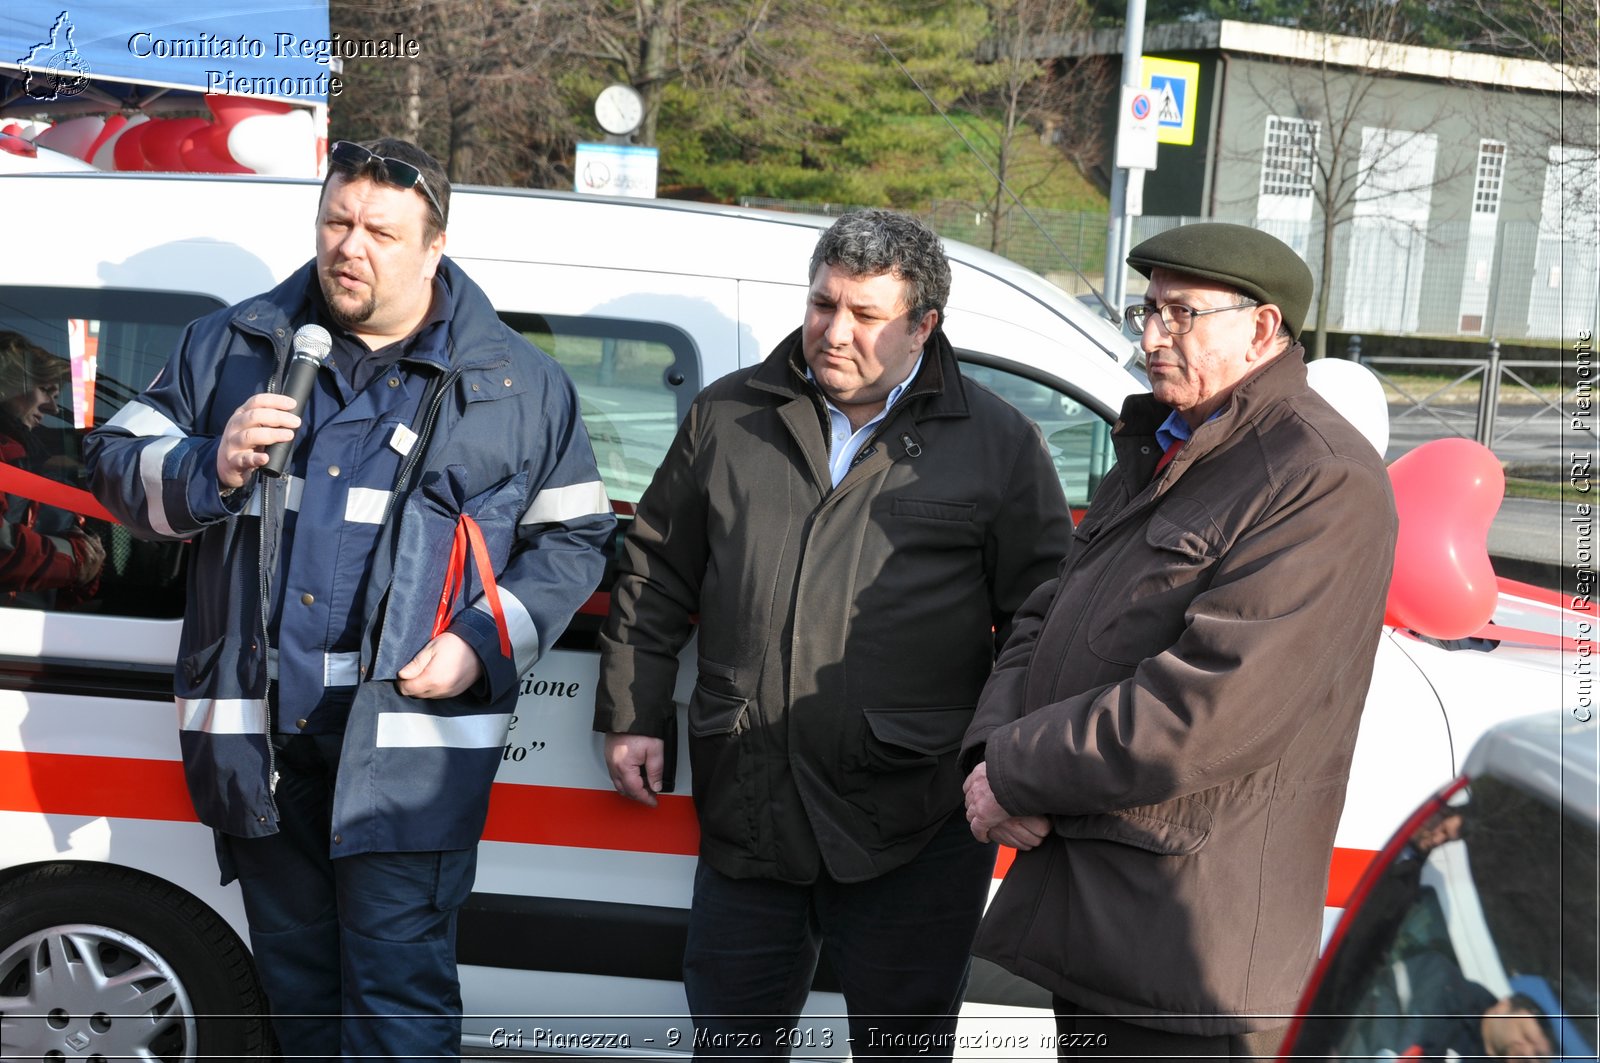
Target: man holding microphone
column 341, row 725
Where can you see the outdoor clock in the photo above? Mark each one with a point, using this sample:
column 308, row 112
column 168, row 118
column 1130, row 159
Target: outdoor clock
column 619, row 109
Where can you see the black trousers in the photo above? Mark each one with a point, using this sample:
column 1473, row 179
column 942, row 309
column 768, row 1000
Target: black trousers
column 358, row 955
column 1085, row 1034
column 899, row 943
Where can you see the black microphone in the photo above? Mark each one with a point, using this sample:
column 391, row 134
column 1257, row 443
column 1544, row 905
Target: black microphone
column 311, row 346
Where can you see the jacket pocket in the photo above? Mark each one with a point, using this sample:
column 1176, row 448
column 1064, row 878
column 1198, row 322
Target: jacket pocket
column 196, row 667
column 713, row 713
column 1141, row 604
column 934, row 509
column 912, row 738
column 1172, row 828
column 422, row 554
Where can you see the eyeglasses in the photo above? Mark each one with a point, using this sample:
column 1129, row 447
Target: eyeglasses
column 347, row 157
column 1176, row 318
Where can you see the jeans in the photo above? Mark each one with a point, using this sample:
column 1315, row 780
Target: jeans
column 357, row 954
column 899, row 943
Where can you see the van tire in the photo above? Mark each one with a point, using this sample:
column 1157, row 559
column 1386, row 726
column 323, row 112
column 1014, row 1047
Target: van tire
column 200, row 1000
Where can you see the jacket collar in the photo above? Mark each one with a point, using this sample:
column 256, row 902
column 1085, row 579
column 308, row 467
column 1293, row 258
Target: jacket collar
column 939, row 385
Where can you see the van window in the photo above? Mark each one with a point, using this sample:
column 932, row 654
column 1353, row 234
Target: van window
column 1079, row 438
column 69, row 360
column 635, row 381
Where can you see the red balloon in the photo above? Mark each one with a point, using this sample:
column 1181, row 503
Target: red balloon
column 232, row 109
column 1447, row 493
column 162, row 144
column 198, row 156
column 127, row 152
column 113, row 123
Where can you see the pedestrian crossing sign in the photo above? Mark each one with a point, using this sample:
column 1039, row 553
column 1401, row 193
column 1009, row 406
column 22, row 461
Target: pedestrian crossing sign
column 1173, row 86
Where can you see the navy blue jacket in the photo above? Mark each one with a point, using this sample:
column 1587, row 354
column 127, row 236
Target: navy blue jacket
column 502, row 441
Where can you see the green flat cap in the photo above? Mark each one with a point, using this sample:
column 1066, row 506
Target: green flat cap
column 1262, row 266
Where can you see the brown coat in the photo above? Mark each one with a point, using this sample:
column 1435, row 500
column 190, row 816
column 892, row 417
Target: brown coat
column 845, row 632
column 1182, row 701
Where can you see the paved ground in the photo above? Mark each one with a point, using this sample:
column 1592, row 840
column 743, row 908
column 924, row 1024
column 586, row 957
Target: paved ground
column 1538, row 542
column 1524, row 437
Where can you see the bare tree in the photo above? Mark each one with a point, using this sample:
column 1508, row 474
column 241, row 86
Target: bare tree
column 1340, row 142
column 651, row 43
column 1563, row 33
column 483, row 93
column 1025, row 99
column 787, row 97
column 1565, row 36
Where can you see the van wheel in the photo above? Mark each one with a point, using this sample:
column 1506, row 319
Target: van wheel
column 100, row 962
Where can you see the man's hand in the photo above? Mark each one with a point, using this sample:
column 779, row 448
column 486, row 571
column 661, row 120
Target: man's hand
column 636, row 763
column 263, row 420
column 88, row 558
column 443, row 668
column 1510, row 1031
column 991, row 823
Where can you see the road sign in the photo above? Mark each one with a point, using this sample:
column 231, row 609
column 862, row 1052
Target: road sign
column 615, row 170
column 1174, row 87
column 1136, row 131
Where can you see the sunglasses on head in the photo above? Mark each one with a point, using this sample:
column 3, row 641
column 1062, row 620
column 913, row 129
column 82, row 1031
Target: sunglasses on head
column 346, row 157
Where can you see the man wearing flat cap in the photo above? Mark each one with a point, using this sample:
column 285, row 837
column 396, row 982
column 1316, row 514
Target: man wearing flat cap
column 1168, row 732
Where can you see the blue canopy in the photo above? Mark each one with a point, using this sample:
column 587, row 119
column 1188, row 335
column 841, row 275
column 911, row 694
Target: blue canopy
column 100, row 55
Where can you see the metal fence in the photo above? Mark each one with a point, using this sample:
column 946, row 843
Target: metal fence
column 1529, row 412
column 1511, row 281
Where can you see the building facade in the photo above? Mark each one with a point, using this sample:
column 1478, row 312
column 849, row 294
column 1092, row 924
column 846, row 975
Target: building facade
column 1462, row 186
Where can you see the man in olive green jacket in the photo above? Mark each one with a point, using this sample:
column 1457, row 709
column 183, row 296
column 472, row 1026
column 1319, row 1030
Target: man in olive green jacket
column 1176, row 712
column 853, row 523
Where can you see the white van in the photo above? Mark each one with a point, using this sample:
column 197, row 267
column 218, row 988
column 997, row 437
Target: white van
column 572, row 940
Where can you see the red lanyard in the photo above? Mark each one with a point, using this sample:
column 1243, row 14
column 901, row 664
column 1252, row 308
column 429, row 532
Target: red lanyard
column 469, row 535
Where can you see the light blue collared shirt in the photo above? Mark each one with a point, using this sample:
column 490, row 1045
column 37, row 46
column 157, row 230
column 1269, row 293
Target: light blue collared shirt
column 1173, row 429
column 843, row 441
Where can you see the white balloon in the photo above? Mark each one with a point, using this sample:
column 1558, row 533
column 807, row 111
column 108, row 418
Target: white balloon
column 1353, row 390
column 105, row 157
column 73, row 136
column 283, row 145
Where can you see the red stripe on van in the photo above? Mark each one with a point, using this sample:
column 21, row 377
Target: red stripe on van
column 68, row 785
column 573, row 817
column 590, row 819
column 1348, row 867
